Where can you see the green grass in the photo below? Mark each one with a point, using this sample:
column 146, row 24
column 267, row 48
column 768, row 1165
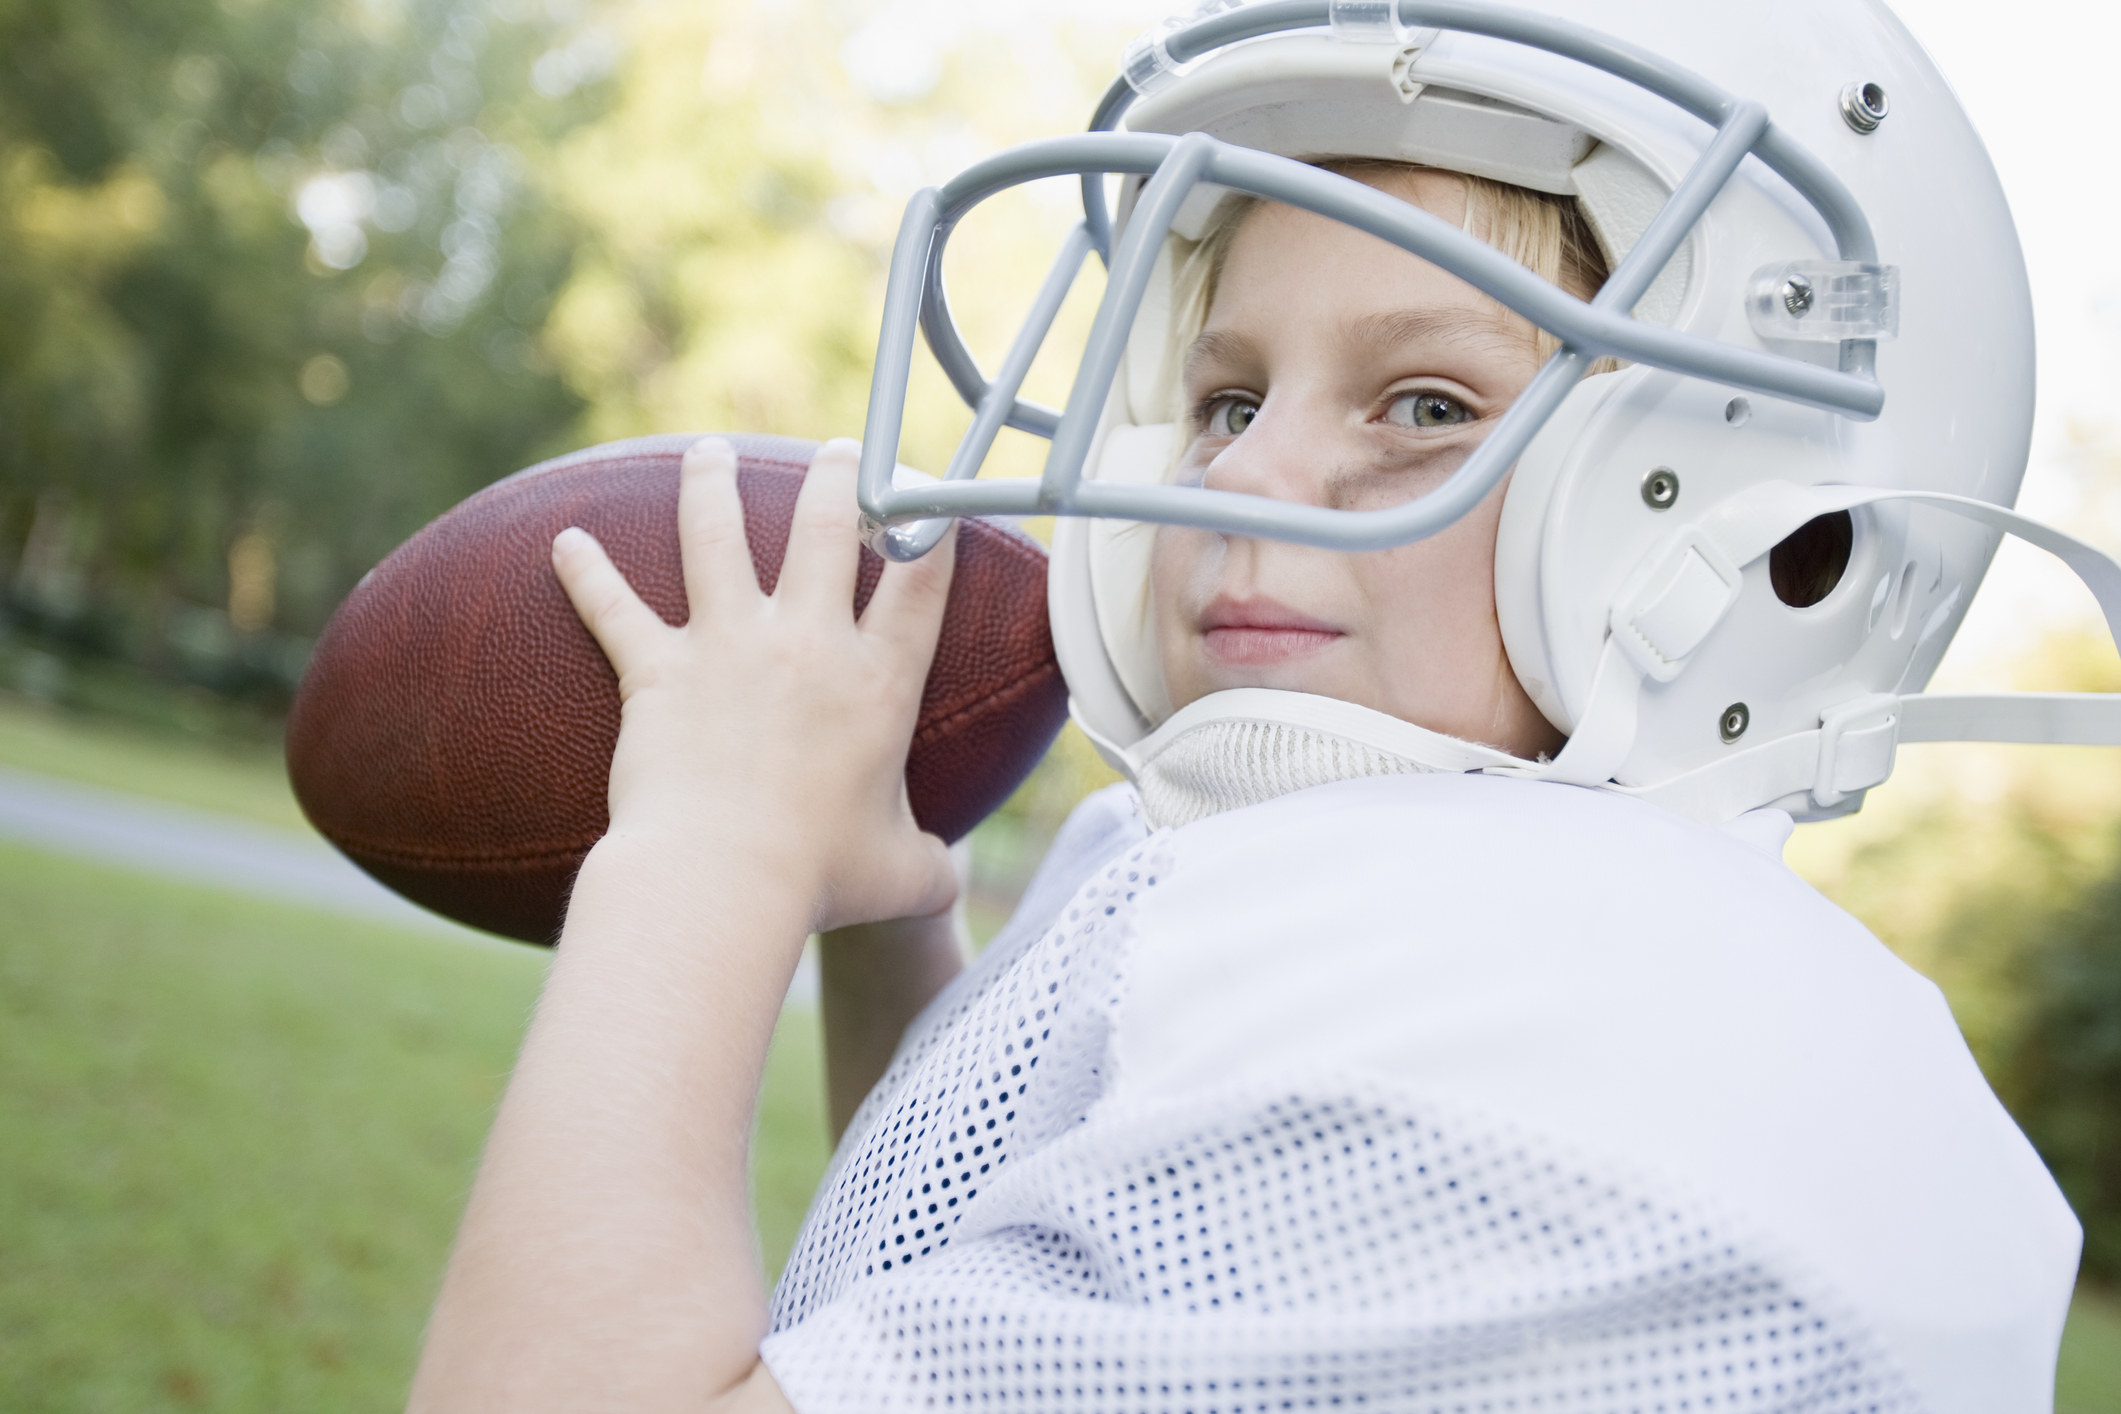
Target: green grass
column 235, row 1138
column 247, row 781
column 2088, row 1377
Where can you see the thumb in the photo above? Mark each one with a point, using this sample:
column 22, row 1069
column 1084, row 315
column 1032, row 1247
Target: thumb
column 935, row 872
column 913, row 878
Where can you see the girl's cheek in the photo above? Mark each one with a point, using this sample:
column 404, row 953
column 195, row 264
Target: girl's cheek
column 1178, row 562
column 1167, row 575
column 1183, row 569
column 1169, row 563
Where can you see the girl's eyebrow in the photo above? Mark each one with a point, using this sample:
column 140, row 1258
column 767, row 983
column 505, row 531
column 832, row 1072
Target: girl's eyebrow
column 1374, row 333
column 1396, row 328
column 1220, row 346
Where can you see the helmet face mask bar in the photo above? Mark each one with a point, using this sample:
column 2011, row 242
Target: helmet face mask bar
column 1654, row 641
column 1176, row 166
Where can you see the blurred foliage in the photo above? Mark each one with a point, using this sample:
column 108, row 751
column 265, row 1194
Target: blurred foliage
column 742, row 194
column 270, row 280
column 280, row 280
column 2062, row 1076
column 1996, row 872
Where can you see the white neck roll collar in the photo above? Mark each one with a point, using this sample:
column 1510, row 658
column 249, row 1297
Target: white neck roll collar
column 1247, row 745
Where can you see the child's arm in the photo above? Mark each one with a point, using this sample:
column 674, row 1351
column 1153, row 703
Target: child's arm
column 607, row 1259
column 873, row 979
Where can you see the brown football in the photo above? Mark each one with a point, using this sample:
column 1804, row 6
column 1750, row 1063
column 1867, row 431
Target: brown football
column 453, row 734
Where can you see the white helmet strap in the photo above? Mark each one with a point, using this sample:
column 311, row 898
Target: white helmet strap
column 1688, row 582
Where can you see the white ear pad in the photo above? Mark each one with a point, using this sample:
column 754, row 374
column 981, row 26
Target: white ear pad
column 1619, row 197
column 1147, row 387
column 1097, row 600
column 1119, row 553
column 1556, row 683
column 1097, row 700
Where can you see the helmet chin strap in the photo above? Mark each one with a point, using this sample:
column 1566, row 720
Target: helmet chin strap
column 1689, row 581
column 1245, row 745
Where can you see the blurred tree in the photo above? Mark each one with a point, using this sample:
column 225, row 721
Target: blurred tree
column 740, row 199
column 271, row 275
column 281, row 280
column 1996, row 872
column 711, row 292
column 2062, row 1078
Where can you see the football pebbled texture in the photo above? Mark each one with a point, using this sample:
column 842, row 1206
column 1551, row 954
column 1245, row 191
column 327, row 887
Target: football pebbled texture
column 454, row 731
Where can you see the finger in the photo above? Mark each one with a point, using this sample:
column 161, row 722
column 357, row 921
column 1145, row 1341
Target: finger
column 711, row 542
column 824, row 549
column 907, row 609
column 624, row 627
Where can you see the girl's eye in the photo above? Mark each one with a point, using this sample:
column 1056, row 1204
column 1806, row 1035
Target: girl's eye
column 1229, row 416
column 1427, row 410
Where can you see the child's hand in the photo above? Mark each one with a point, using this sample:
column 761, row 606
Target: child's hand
column 775, row 728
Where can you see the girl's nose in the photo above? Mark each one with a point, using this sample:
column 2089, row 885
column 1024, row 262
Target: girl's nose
column 1283, row 453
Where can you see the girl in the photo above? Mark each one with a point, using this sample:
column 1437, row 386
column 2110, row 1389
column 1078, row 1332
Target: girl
column 1361, row 1054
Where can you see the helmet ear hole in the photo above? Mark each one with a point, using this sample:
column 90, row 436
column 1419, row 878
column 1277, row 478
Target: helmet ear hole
column 1807, row 565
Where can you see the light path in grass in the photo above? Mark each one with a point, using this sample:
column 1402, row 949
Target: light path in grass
column 196, row 846
column 201, row 847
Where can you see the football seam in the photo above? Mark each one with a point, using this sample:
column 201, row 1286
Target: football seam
column 1000, row 697
column 362, row 850
column 395, row 859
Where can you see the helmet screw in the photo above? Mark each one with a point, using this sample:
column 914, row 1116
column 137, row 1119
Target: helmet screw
column 1863, row 106
column 1735, row 719
column 1660, row 489
column 1797, row 296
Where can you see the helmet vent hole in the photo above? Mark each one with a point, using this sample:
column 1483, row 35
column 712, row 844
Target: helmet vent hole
column 1737, row 412
column 1807, row 565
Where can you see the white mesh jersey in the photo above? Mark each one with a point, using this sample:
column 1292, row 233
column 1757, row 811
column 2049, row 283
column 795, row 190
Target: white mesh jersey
column 1428, row 1093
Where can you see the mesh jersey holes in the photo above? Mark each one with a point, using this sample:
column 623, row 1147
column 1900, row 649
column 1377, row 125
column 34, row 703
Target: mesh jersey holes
column 1351, row 1250
column 947, row 1175
column 951, row 1112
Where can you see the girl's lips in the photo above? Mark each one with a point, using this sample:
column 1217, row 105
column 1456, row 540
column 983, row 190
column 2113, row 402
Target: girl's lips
column 1251, row 633
column 1253, row 647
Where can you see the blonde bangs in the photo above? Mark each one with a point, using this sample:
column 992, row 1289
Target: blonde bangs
column 1545, row 233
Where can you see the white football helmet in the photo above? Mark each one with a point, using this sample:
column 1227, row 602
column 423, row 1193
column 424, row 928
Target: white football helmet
column 1818, row 295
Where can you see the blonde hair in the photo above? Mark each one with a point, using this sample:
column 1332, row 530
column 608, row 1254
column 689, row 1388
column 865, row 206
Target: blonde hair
column 1547, row 234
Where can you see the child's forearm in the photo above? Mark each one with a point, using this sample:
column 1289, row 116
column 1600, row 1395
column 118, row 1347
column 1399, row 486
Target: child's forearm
column 607, row 1259
column 873, row 979
column 757, row 794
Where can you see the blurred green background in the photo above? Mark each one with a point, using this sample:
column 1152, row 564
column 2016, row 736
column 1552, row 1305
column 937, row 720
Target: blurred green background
column 281, row 281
